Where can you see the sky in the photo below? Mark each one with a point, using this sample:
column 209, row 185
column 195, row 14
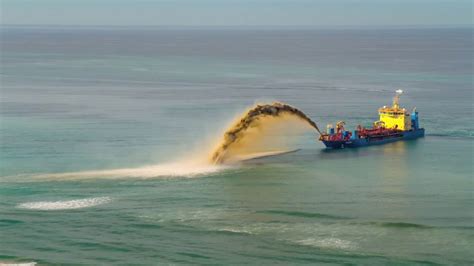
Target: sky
column 237, row 12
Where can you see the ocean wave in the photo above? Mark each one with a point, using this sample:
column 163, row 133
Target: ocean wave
column 304, row 214
column 403, row 225
column 18, row 263
column 398, row 225
column 452, row 134
column 64, row 205
column 235, row 231
column 331, row 243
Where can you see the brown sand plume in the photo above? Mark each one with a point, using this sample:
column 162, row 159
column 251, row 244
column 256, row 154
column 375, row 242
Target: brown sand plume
column 242, row 135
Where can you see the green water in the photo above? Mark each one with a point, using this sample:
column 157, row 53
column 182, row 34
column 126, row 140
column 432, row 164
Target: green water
column 146, row 100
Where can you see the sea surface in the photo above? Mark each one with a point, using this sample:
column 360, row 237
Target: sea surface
column 101, row 129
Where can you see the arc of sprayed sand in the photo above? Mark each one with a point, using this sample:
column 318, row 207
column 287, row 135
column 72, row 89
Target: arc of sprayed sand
column 276, row 109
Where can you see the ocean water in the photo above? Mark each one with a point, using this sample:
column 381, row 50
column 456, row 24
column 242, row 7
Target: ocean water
column 101, row 129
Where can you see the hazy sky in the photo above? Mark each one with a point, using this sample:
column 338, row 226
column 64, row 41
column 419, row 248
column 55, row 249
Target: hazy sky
column 237, row 12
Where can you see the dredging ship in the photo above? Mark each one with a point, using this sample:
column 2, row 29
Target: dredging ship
column 394, row 124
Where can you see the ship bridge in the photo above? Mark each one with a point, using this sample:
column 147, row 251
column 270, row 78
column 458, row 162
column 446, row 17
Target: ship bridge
column 395, row 117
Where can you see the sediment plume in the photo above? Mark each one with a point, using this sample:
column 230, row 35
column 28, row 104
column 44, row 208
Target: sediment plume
column 257, row 118
column 261, row 131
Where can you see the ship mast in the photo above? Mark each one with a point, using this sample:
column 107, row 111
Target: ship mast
column 396, row 99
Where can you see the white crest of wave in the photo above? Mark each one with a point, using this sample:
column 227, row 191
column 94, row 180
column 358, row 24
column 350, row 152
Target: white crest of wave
column 332, row 243
column 235, row 230
column 64, row 205
column 183, row 169
column 18, row 263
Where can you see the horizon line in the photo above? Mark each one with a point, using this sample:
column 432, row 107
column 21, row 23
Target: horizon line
column 425, row 26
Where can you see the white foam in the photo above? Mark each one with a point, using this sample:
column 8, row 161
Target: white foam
column 332, row 243
column 18, row 264
column 235, row 230
column 64, row 205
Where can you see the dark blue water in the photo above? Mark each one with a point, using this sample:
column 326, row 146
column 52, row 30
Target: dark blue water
column 133, row 107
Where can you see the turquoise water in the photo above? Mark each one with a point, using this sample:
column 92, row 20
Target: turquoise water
column 133, row 107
